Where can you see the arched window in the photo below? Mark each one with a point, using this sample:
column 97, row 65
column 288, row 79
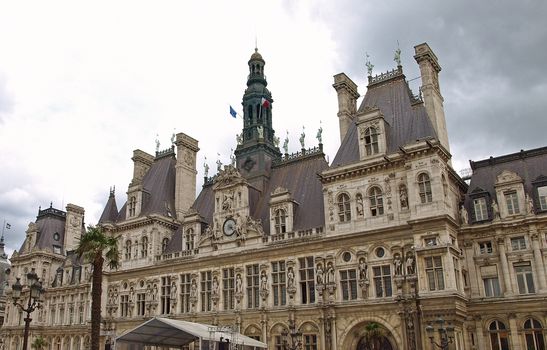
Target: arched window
column 533, row 333
column 76, row 343
column 164, row 244
column 280, row 223
column 189, row 239
column 344, row 208
column 424, row 184
column 132, row 206
column 498, row 336
column 250, row 114
column 376, row 201
column 371, row 141
column 128, row 249
column 144, row 247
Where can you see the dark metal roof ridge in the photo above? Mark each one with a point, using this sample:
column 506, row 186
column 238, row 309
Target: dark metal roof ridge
column 51, row 211
column 165, row 153
column 508, row 158
column 385, row 77
column 298, row 156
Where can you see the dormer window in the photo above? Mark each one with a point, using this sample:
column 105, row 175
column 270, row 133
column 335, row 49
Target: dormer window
column 189, row 239
column 132, row 206
column 376, row 201
column 512, row 202
column 371, row 141
column 164, row 244
column 542, row 196
column 344, row 208
column 424, row 185
column 144, row 247
column 280, row 221
column 128, row 249
column 480, row 209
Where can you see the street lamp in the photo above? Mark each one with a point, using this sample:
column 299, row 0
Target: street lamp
column 446, row 334
column 33, row 301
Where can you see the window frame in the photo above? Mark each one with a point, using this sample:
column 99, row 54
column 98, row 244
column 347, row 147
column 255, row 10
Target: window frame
column 424, row 188
column 433, row 266
column 344, row 207
column 370, row 139
column 280, row 221
column 525, row 278
column 376, row 201
column 480, row 209
column 511, row 200
column 383, row 287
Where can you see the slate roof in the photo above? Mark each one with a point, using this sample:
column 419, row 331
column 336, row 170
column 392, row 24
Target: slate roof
column 299, row 177
column 110, row 212
column 529, row 165
column 49, row 221
column 407, row 119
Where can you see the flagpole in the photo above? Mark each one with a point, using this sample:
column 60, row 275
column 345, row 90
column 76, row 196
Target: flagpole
column 3, row 227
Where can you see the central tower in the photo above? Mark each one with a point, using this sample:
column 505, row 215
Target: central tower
column 258, row 145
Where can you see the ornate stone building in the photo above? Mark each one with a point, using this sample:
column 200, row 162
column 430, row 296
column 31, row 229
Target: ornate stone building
column 286, row 247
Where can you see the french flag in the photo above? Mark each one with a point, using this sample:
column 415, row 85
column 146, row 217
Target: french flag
column 265, row 103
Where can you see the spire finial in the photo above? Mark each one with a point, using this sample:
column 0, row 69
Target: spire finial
column 256, row 43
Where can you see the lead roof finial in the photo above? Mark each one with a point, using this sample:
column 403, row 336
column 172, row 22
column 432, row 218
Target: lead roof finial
column 157, row 143
column 368, row 64
column 397, row 57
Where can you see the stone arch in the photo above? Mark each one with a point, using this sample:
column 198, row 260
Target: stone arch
column 309, row 326
column 353, row 333
column 277, row 328
column 253, row 330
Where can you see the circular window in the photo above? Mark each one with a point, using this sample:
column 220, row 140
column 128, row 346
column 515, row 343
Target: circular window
column 380, row 252
column 56, row 236
column 125, row 285
column 346, row 256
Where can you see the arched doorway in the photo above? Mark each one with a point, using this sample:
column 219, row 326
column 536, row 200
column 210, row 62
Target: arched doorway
column 380, row 343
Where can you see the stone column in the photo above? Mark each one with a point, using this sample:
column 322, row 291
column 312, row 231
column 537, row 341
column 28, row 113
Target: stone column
column 538, row 260
column 322, row 321
column 334, row 344
column 480, row 335
column 508, row 287
column 471, row 268
column 513, row 329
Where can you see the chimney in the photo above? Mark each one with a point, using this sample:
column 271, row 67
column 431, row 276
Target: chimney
column 347, row 101
column 142, row 162
column 185, row 181
column 431, row 92
column 73, row 226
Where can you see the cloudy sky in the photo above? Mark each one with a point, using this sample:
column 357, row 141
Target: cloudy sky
column 83, row 84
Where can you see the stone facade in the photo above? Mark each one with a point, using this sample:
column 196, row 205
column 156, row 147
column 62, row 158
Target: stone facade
column 387, row 233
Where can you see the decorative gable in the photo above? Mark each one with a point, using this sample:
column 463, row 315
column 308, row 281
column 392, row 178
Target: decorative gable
column 510, row 194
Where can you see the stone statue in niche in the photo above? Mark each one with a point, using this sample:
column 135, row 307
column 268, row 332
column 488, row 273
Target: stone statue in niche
column 214, row 289
column 410, row 264
column 290, row 278
column 403, row 197
column 529, row 205
column 319, row 274
column 398, row 265
column 263, row 281
column 260, row 131
column 495, row 210
column 360, row 205
column 173, row 291
column 194, row 289
column 239, row 284
column 363, row 268
column 463, row 215
column 329, row 277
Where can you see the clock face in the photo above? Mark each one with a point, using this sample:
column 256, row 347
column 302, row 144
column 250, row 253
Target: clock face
column 229, row 227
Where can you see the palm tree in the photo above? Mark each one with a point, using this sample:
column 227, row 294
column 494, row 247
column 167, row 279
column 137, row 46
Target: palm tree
column 373, row 336
column 97, row 248
column 39, row 343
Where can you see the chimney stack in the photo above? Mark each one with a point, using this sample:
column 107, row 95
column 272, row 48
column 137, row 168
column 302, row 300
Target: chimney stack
column 347, row 101
column 185, row 181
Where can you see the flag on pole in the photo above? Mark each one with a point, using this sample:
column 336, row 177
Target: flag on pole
column 8, row 226
column 265, row 103
column 233, row 112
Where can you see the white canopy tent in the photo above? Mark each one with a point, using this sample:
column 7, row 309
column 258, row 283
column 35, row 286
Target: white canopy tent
column 161, row 331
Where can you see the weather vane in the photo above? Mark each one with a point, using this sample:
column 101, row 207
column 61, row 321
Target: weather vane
column 397, row 57
column 368, row 64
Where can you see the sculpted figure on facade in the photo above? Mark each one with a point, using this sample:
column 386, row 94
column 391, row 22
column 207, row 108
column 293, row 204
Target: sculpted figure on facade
column 529, row 205
column 463, row 215
column 194, row 289
column 241, row 226
column 360, row 204
column 215, row 289
column 363, row 267
column 260, row 131
column 398, row 265
column 205, row 168
column 319, row 274
column 263, row 281
column 286, row 144
column 290, row 278
column 495, row 210
column 329, row 277
column 302, row 138
column 403, row 197
column 227, row 200
column 410, row 264
column 239, row 284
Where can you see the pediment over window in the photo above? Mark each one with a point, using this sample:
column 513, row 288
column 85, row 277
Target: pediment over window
column 540, row 179
column 478, row 191
column 506, row 177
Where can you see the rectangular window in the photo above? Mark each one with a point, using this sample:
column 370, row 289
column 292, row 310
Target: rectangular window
column 52, row 315
column 481, row 211
column 382, row 281
column 185, row 285
column 518, row 243
column 124, row 305
column 279, row 343
column 81, row 315
column 228, row 288
column 512, row 202
column 141, row 304
column 62, row 315
column 485, row 247
column 253, row 282
column 434, row 272
column 206, row 288
column 348, row 282
column 307, row 280
column 491, row 287
column 457, row 272
column 542, row 196
column 279, row 284
column 310, row 341
column 71, row 315
column 525, row 278
column 166, row 295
